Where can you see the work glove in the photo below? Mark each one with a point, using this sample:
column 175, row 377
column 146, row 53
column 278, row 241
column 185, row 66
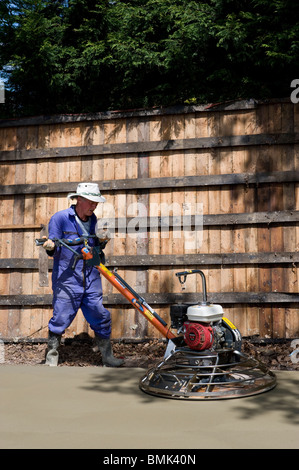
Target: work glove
column 49, row 245
column 103, row 235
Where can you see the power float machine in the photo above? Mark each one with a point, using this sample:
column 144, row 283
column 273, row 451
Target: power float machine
column 203, row 360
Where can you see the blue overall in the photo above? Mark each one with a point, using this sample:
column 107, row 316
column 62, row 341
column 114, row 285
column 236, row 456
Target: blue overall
column 75, row 288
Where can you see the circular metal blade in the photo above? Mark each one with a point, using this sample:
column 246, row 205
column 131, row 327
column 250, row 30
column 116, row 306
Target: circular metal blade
column 194, row 375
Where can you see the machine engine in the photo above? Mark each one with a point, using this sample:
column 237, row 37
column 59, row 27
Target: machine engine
column 205, row 361
column 204, row 327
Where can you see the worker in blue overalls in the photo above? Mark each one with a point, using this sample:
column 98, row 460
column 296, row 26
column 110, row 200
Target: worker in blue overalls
column 78, row 287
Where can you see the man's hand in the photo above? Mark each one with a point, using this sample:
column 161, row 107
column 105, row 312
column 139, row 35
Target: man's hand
column 49, row 244
column 104, row 235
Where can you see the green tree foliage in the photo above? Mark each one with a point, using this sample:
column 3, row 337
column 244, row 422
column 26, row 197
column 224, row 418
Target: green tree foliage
column 59, row 56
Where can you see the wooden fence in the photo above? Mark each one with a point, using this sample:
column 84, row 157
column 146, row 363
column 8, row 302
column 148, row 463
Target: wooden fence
column 228, row 172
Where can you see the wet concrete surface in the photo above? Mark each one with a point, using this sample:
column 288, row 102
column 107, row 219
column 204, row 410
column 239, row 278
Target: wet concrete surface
column 102, row 408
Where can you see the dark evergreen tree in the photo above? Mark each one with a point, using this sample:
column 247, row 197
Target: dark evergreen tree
column 75, row 56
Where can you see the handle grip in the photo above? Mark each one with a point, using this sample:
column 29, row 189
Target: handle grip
column 182, row 278
column 62, row 241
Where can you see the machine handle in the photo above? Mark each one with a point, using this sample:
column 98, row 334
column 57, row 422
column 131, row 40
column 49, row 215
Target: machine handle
column 182, row 276
column 140, row 299
column 61, row 241
column 67, row 243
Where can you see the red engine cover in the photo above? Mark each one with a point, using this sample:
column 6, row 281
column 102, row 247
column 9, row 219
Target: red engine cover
column 198, row 336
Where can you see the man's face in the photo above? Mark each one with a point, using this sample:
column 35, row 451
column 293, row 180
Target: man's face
column 85, row 207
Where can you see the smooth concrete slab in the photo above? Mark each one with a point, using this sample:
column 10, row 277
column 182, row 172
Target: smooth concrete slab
column 101, row 408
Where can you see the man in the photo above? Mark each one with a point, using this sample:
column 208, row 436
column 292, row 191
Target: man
column 79, row 286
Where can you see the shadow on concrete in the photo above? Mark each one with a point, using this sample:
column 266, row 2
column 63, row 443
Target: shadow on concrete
column 283, row 399
column 120, row 381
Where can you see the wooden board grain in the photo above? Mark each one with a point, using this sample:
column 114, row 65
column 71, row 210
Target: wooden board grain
column 237, row 163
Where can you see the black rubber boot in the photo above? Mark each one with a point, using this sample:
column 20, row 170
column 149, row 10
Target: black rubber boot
column 105, row 348
column 52, row 355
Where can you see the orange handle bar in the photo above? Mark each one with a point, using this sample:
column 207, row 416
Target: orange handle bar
column 129, row 296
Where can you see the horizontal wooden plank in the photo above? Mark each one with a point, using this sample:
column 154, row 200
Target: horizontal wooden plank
column 21, row 263
column 204, row 259
column 151, row 223
column 153, row 183
column 252, row 218
column 124, row 225
column 140, row 113
column 217, row 298
column 201, row 181
column 26, row 300
column 166, row 299
column 21, row 227
column 246, row 140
